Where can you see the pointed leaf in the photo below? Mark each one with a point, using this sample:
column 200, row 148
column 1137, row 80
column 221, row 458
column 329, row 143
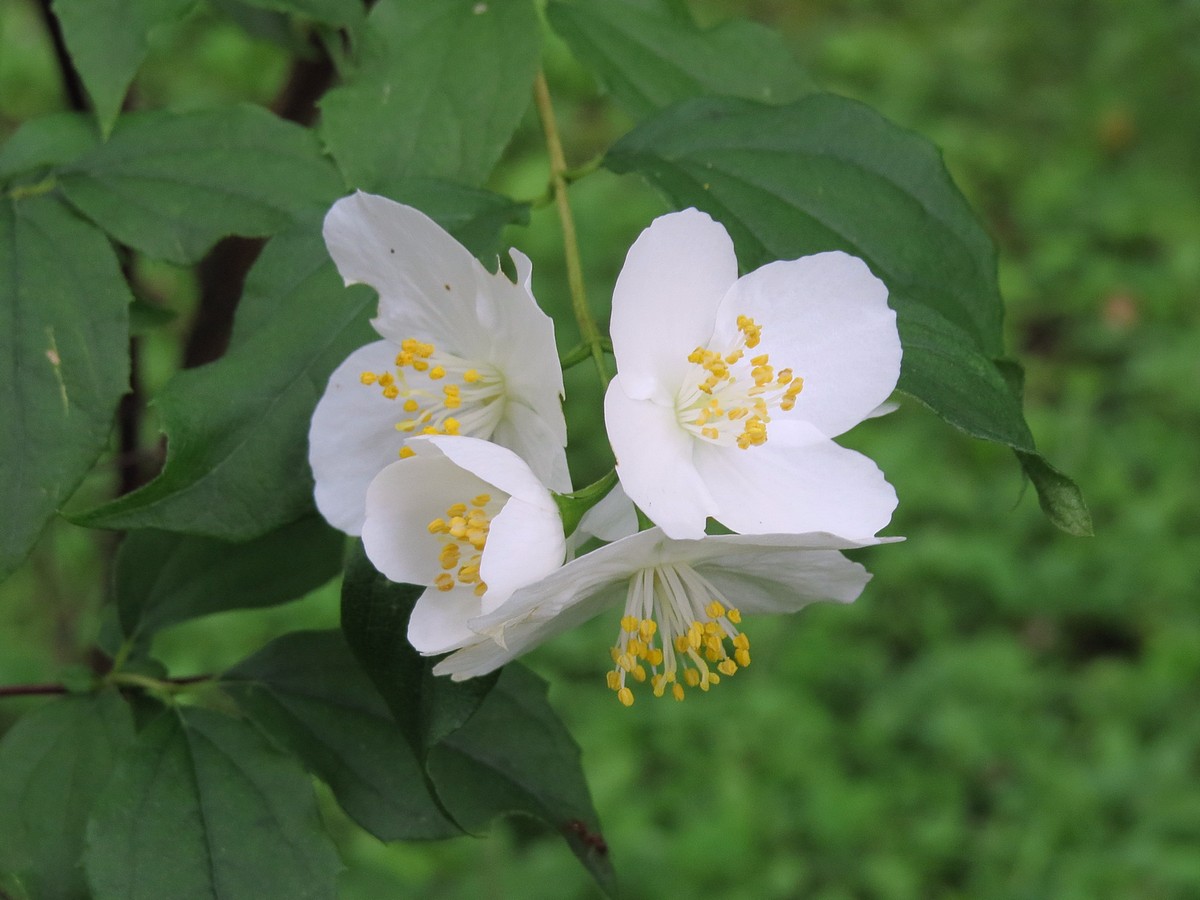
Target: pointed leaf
column 829, row 173
column 239, row 468
column 648, row 57
column 514, row 755
column 46, row 142
column 440, row 90
column 202, row 806
column 164, row 578
column 53, row 765
column 64, row 333
column 307, row 693
column 107, row 40
column 172, row 184
column 375, row 615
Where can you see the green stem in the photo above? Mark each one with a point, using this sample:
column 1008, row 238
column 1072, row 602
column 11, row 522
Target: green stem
column 575, row 356
column 558, row 185
column 170, row 686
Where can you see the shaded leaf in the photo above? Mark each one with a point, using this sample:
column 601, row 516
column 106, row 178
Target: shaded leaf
column 514, row 755
column 648, row 56
column 107, row 41
column 164, row 578
column 64, row 332
column 46, row 142
column 201, row 806
column 1060, row 498
column 828, row 173
column 375, row 615
column 307, row 692
column 239, row 467
column 440, row 90
column 172, row 184
column 53, row 765
column 341, row 13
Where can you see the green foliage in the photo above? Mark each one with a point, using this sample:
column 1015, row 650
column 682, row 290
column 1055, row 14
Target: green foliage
column 438, row 92
column 202, row 804
column 64, row 325
column 56, row 761
column 650, row 55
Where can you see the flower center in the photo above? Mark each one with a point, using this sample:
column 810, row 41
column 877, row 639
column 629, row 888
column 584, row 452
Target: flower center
column 731, row 398
column 442, row 393
column 679, row 625
column 462, row 535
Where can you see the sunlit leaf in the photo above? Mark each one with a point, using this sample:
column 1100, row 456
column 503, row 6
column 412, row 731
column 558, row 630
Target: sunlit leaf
column 440, row 89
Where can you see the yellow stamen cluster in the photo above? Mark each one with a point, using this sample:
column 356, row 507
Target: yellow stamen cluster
column 745, row 402
column 688, row 657
column 431, row 409
column 463, row 530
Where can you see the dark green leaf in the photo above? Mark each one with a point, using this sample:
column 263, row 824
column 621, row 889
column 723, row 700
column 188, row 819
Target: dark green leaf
column 172, row 184
column 64, row 332
column 648, row 57
column 237, row 457
column 47, row 142
column 202, row 806
column 107, row 43
column 53, row 765
column 441, row 88
column 515, row 756
column 375, row 615
column 163, row 578
column 239, row 467
column 306, row 691
column 829, row 173
column 341, row 13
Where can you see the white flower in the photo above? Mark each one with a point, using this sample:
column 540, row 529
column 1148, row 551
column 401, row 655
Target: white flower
column 465, row 351
column 469, row 519
column 729, row 390
column 683, row 604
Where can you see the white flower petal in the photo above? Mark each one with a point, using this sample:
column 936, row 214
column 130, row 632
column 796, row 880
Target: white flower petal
column 819, row 487
column 534, row 437
column 654, row 463
column 525, row 543
column 825, row 316
column 666, row 298
column 613, row 518
column 353, row 436
column 495, row 465
column 438, row 622
column 428, row 282
column 786, row 580
column 401, row 501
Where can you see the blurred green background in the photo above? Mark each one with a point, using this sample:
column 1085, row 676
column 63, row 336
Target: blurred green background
column 1007, row 712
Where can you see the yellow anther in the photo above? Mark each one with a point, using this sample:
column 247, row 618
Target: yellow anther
column 735, row 617
column 626, row 662
column 760, row 360
column 710, row 433
column 438, row 526
column 451, row 426
column 630, row 623
column 480, row 589
column 406, row 425
column 727, row 667
column 614, row 680
column 658, row 684
column 477, row 537
column 391, row 392
column 692, row 677
column 368, row 377
column 625, row 695
column 444, row 582
column 742, row 657
column 411, row 406
column 715, row 610
column 784, row 376
column 740, row 641
column 677, row 692
column 386, row 379
column 407, row 452
column 471, row 376
column 647, row 629
column 420, row 365
column 655, row 656
column 639, row 673
column 430, row 429
column 437, row 372
column 481, row 500
column 458, row 509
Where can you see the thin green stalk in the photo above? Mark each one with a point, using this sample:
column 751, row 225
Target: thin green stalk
column 558, row 185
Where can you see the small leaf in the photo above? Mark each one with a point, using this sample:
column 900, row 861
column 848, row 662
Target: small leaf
column 47, row 142
column 239, row 468
column 107, row 40
column 64, row 332
column 339, row 13
column 201, row 806
column 164, row 578
column 828, row 173
column 307, row 693
column 440, row 90
column 172, row 184
column 1059, row 496
column 375, row 615
column 514, row 755
column 649, row 57
column 53, row 765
